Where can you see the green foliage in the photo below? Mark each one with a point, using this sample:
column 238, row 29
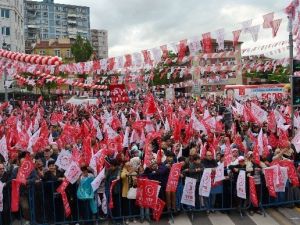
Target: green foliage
column 281, row 75
column 81, row 49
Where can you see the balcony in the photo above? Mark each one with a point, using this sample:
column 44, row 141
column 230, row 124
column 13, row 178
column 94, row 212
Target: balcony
column 33, row 26
column 72, row 22
column 72, row 15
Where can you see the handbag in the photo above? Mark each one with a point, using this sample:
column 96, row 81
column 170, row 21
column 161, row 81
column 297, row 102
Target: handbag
column 131, row 194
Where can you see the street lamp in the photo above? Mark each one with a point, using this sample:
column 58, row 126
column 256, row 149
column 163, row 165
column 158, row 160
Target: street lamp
column 5, row 47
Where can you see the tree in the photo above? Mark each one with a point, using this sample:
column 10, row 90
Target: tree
column 81, row 49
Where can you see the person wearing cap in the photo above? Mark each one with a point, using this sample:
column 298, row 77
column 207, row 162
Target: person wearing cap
column 235, row 169
column 209, row 162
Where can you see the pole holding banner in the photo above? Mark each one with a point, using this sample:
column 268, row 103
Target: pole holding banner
column 290, row 26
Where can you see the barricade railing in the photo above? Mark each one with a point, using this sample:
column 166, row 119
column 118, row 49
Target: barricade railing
column 40, row 204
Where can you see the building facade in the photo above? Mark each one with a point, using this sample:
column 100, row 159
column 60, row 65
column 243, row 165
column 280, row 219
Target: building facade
column 60, row 47
column 215, row 81
column 48, row 20
column 12, row 25
column 99, row 40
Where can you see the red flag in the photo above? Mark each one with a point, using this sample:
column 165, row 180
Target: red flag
column 56, row 117
column 227, row 155
column 236, row 36
column 173, row 177
column 206, row 43
column 150, row 105
column 253, row 194
column 27, row 166
column 112, row 185
column 269, row 177
column 275, row 26
column 139, row 191
column 147, row 58
column 87, row 150
column 256, row 156
column 150, row 194
column 15, row 195
column 268, row 19
column 158, row 209
column 272, row 122
column 182, row 49
column 111, row 63
column 61, row 189
column 128, row 60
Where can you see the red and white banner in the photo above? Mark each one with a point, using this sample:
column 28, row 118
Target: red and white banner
column 207, row 43
column 61, row 189
column 188, row 195
column 118, row 93
column 241, row 185
column 173, row 177
column 205, row 183
column 73, row 173
column 269, row 177
column 282, row 179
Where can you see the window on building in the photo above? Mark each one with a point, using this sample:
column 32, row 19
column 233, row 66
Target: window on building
column 68, row 53
column 57, row 52
column 6, row 31
column 42, row 52
column 45, row 14
column 45, row 36
column 5, row 13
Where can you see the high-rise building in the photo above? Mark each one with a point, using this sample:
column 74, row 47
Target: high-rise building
column 12, row 25
column 99, row 43
column 48, row 20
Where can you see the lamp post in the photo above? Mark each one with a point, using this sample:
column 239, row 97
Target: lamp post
column 5, row 47
column 291, row 58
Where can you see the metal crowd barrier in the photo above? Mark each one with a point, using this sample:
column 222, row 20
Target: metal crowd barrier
column 40, row 204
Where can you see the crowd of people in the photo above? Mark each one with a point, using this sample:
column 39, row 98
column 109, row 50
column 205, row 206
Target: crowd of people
column 142, row 139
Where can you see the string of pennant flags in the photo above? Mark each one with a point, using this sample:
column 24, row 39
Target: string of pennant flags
column 16, row 63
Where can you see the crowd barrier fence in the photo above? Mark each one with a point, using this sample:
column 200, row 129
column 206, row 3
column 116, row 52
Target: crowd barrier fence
column 40, row 204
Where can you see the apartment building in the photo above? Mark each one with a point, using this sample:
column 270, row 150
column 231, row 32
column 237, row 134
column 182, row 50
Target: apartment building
column 99, row 42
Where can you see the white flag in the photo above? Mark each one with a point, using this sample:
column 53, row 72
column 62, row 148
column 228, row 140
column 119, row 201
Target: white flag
column 260, row 142
column 296, row 141
column 260, row 114
column 123, row 120
column 188, row 195
column 220, row 38
column 73, row 172
column 126, row 138
column 1, row 196
column 205, row 183
column 254, row 32
column 241, row 184
column 219, row 173
column 194, row 45
column 282, row 178
column 97, row 181
column 167, row 126
column 3, row 148
column 63, row 160
column 33, row 139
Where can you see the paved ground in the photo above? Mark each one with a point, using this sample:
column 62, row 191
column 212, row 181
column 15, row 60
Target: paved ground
column 279, row 216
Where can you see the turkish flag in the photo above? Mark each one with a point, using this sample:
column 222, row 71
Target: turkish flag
column 158, row 209
column 269, row 177
column 27, row 166
column 150, row 193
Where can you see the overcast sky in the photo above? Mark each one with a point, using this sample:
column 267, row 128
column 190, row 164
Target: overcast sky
column 134, row 25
